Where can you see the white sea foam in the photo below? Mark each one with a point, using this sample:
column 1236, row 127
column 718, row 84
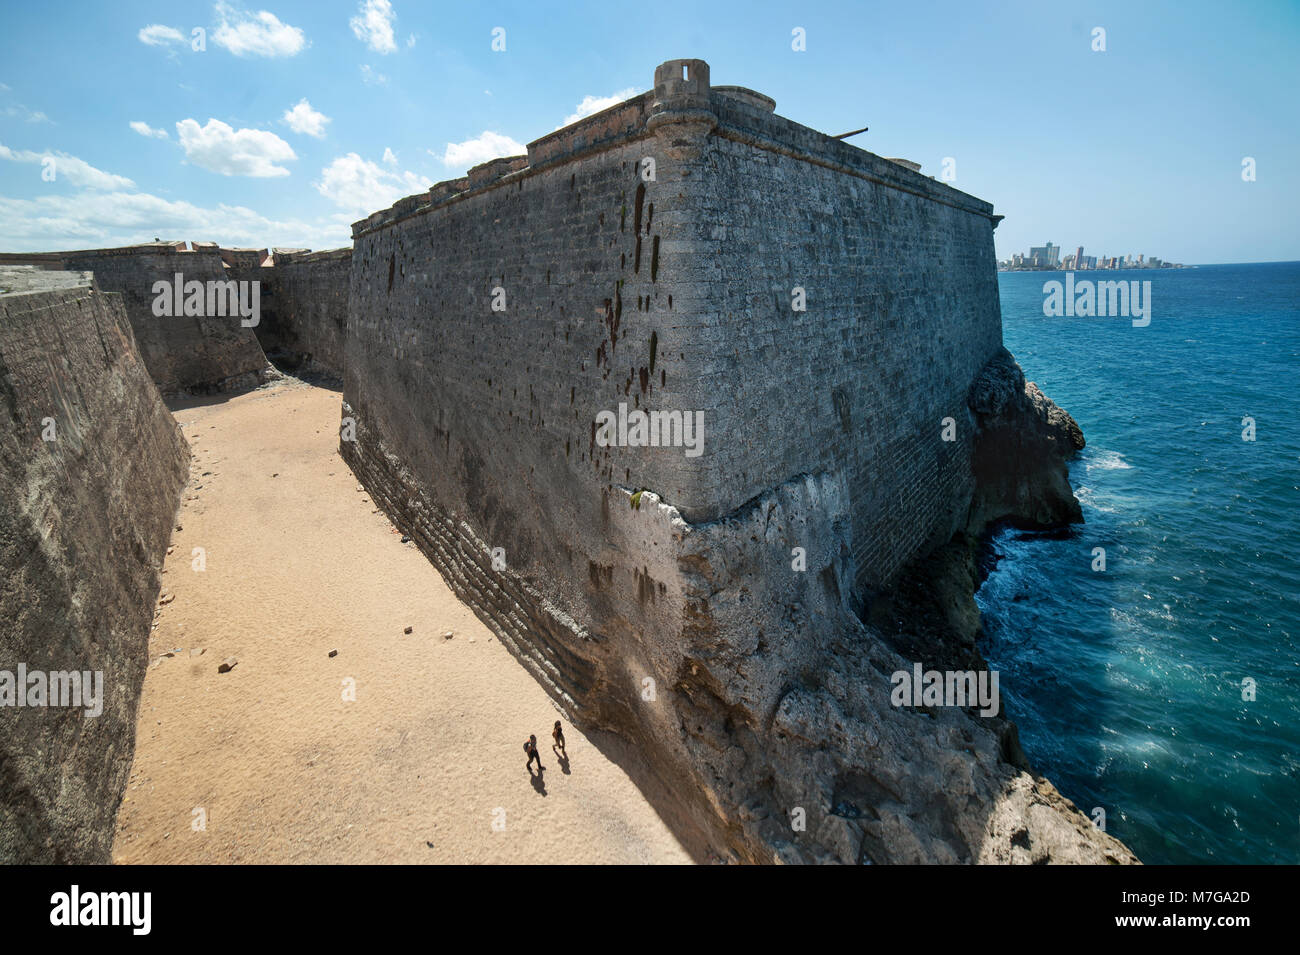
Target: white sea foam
column 1105, row 460
column 1088, row 498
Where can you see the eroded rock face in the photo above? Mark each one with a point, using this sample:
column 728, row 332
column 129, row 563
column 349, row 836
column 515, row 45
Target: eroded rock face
column 1024, row 440
column 783, row 695
column 782, row 711
column 91, row 470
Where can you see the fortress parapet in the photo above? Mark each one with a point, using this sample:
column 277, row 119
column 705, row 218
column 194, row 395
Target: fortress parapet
column 683, row 112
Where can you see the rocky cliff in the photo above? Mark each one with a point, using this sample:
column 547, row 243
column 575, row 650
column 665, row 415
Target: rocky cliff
column 785, row 694
column 91, row 470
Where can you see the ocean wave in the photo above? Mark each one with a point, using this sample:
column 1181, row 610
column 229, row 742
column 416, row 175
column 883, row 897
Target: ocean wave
column 1088, row 499
column 1105, row 460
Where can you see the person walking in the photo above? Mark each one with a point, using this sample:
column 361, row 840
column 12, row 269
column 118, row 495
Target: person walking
column 557, row 735
column 530, row 748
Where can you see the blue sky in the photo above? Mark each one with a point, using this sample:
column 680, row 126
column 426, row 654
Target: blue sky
column 1135, row 149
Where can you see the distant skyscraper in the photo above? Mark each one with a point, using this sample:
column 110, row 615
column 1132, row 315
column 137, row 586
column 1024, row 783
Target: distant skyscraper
column 1078, row 257
column 1046, row 256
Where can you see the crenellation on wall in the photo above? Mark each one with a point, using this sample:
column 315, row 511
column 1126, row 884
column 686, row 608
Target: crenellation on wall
column 610, row 126
column 244, row 258
column 759, row 101
column 442, row 191
column 489, row 172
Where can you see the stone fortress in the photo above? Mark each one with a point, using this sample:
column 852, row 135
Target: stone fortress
column 832, row 319
column 302, row 321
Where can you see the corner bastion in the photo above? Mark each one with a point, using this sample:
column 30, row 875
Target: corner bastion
column 826, row 315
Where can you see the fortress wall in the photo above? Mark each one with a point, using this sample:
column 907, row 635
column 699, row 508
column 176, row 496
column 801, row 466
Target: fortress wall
column 84, row 523
column 305, row 309
column 184, row 354
column 902, row 314
column 475, row 427
column 672, row 616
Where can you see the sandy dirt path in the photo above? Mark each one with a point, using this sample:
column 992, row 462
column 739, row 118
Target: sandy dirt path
column 270, row 757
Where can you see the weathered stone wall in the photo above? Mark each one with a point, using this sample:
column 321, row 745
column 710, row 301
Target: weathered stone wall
column 898, row 275
column 185, row 354
column 84, row 522
column 305, row 310
column 476, row 430
column 486, row 417
column 493, row 411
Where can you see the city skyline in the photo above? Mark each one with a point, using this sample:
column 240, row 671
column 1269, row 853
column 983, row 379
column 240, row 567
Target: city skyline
column 1048, row 257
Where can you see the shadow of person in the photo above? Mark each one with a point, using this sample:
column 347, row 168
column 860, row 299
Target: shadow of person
column 538, row 782
column 563, row 757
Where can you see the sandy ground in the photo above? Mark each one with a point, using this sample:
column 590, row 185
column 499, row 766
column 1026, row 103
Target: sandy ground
column 270, row 757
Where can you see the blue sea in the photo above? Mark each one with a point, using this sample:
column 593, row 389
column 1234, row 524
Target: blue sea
column 1127, row 683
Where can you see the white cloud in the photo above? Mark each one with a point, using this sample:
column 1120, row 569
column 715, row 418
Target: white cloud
column 371, row 78
column 106, row 219
column 303, row 119
column 156, row 34
column 373, row 25
column 70, row 169
column 361, row 187
column 591, row 105
column 390, row 157
column 410, row 41
column 471, row 152
column 28, row 115
column 144, row 129
column 244, row 152
column 256, row 34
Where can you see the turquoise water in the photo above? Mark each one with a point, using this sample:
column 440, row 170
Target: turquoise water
column 1127, row 684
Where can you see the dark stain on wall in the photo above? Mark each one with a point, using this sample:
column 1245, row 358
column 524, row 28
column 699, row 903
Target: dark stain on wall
column 841, row 401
